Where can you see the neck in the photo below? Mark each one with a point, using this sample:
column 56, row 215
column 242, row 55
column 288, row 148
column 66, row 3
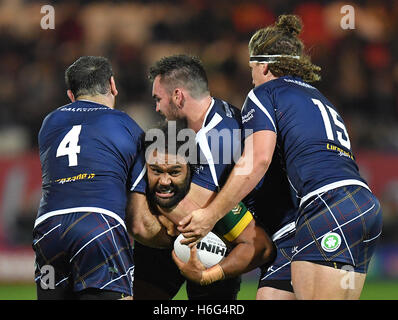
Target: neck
column 269, row 76
column 198, row 112
column 101, row 99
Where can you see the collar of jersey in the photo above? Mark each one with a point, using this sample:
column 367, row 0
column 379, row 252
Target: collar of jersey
column 93, row 102
column 275, row 81
column 208, row 112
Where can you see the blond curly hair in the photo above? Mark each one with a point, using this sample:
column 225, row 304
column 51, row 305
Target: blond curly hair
column 282, row 38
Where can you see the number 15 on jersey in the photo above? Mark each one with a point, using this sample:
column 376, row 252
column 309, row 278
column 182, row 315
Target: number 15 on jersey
column 69, row 145
column 341, row 131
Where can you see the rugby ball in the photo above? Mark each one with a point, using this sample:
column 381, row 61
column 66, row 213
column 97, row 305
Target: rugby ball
column 211, row 250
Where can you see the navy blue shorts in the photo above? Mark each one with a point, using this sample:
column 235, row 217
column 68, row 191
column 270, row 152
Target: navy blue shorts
column 85, row 250
column 278, row 275
column 341, row 225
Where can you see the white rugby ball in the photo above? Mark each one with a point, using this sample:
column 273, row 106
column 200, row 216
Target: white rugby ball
column 211, row 250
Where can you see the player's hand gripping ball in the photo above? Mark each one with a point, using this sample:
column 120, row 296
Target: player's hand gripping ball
column 211, row 250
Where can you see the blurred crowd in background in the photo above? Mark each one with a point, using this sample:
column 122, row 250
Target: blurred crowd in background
column 359, row 66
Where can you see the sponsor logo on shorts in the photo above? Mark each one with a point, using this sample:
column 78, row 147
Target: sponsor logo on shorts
column 331, row 242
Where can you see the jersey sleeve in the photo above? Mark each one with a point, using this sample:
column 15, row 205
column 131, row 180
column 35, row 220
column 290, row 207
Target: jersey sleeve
column 234, row 222
column 129, row 137
column 203, row 177
column 258, row 112
column 138, row 172
column 215, row 159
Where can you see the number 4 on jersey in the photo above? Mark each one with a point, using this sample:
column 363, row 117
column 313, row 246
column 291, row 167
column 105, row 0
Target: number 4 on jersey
column 69, row 145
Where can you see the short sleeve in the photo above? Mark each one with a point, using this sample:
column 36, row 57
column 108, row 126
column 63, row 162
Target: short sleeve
column 258, row 112
column 138, row 172
column 215, row 158
column 134, row 150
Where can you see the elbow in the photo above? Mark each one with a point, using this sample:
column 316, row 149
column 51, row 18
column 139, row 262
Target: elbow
column 141, row 234
column 262, row 161
column 143, row 231
column 135, row 227
column 265, row 255
column 137, row 230
column 266, row 249
column 269, row 254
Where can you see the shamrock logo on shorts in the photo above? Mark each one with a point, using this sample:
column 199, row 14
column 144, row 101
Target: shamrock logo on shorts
column 331, row 241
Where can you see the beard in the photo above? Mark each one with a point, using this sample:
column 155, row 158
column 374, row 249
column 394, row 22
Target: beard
column 179, row 192
column 173, row 111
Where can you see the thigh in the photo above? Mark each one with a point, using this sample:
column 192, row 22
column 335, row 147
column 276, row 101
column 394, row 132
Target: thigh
column 271, row 293
column 156, row 276
column 275, row 280
column 320, row 282
column 340, row 226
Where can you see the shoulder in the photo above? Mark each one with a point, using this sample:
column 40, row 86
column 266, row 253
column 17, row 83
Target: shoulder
column 55, row 117
column 230, row 115
column 229, row 109
column 119, row 120
column 292, row 88
column 282, row 91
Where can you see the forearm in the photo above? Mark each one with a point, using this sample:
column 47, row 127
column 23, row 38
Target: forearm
column 182, row 209
column 237, row 187
column 246, row 174
column 254, row 249
column 251, row 249
column 144, row 226
column 239, row 261
column 152, row 234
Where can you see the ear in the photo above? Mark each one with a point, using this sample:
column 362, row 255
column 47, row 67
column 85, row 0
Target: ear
column 178, row 97
column 265, row 68
column 113, row 86
column 70, row 95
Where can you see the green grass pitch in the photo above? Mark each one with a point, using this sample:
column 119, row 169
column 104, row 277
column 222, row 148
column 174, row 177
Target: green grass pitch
column 373, row 290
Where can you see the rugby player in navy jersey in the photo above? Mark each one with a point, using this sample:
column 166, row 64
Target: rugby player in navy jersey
column 180, row 90
column 339, row 219
column 168, row 178
column 89, row 155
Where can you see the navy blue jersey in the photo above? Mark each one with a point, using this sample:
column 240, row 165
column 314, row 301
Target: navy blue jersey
column 311, row 135
column 273, row 202
column 90, row 156
column 219, row 144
